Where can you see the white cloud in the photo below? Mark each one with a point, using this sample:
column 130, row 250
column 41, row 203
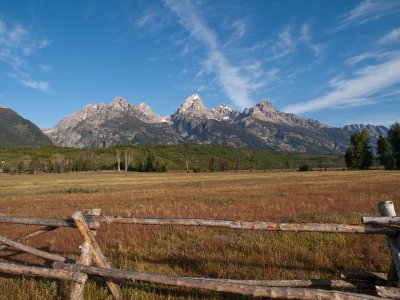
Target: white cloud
column 37, row 85
column 285, row 43
column 306, row 38
column 290, row 38
column 16, row 45
column 152, row 19
column 366, row 82
column 240, row 28
column 368, row 55
column 369, row 10
column 271, row 74
column 391, row 37
column 236, row 85
column 359, row 58
column 46, row 68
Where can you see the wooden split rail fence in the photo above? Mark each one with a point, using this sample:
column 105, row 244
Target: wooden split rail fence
column 352, row 285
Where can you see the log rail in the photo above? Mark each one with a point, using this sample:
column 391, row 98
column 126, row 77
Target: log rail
column 257, row 225
column 352, row 285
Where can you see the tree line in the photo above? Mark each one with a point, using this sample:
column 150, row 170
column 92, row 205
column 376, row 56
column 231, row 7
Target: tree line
column 359, row 155
column 158, row 158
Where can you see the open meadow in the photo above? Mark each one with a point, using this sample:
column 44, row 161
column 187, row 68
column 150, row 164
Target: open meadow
column 335, row 197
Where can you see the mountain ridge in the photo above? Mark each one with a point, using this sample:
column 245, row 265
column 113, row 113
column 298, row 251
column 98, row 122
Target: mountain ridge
column 15, row 131
column 261, row 126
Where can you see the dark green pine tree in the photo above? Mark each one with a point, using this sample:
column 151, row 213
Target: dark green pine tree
column 359, row 156
column 394, row 141
column 384, row 152
column 213, row 164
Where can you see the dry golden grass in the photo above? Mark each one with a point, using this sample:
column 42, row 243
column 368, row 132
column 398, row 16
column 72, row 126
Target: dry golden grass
column 204, row 252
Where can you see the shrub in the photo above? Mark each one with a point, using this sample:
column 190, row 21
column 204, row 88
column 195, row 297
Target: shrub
column 6, row 169
column 196, row 169
column 73, row 189
column 304, row 168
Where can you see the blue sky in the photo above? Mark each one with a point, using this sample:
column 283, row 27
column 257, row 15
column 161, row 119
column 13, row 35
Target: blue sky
column 334, row 61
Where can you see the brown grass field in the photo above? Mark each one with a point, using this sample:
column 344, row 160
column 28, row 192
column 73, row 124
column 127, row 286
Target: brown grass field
column 340, row 197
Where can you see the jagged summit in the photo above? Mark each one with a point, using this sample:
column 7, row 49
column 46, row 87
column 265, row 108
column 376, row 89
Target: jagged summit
column 119, row 103
column 192, row 107
column 223, row 112
column 264, row 110
column 266, row 106
column 143, row 106
column 192, row 102
column 222, row 106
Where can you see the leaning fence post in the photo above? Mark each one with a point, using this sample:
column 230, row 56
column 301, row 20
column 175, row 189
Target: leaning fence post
column 85, row 259
column 386, row 208
column 98, row 255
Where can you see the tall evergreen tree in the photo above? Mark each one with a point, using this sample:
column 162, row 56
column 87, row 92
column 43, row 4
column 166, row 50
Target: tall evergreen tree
column 394, row 140
column 358, row 155
column 213, row 165
column 389, row 148
column 150, row 162
column 384, row 152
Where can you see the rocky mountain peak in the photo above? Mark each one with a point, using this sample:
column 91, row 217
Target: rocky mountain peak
column 222, row 107
column 223, row 112
column 192, row 102
column 373, row 131
column 193, row 107
column 119, row 103
column 91, row 108
column 144, row 112
column 143, row 106
column 265, row 106
column 264, row 110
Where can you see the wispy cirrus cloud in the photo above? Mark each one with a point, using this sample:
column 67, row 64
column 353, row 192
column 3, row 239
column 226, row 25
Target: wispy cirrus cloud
column 369, row 10
column 284, row 44
column 360, row 57
column 305, row 37
column 357, row 90
column 290, row 38
column 240, row 28
column 16, row 45
column 37, row 85
column 153, row 18
column 391, row 37
column 373, row 55
column 236, row 85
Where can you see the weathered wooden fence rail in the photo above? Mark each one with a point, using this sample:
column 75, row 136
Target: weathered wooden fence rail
column 352, row 285
column 257, row 225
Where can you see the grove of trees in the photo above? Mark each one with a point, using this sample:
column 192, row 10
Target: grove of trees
column 359, row 155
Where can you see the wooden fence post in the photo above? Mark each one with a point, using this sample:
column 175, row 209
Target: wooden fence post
column 85, row 259
column 386, row 208
column 98, row 255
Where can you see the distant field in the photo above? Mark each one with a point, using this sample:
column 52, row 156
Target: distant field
column 203, row 252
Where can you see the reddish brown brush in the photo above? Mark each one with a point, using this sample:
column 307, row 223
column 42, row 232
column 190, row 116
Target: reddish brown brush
column 339, row 197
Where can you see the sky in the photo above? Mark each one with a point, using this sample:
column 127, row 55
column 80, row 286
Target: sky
column 334, row 61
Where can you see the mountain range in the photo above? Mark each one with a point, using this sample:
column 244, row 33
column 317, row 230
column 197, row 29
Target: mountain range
column 260, row 127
